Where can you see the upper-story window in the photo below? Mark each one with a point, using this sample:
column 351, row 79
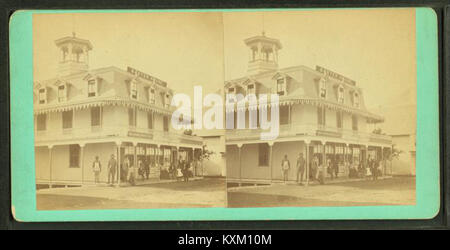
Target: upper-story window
column 167, row 100
column 62, row 93
column 284, row 115
column 133, row 89
column 323, row 88
column 43, row 95
column 166, row 123
column 132, row 117
column 339, row 120
column 151, row 95
column 356, row 99
column 281, row 86
column 354, row 122
column 67, row 119
column 96, row 116
column 92, row 88
column 251, row 89
column 341, row 94
column 41, row 122
column 321, row 116
column 150, row 120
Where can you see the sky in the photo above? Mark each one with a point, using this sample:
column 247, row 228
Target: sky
column 183, row 49
column 374, row 47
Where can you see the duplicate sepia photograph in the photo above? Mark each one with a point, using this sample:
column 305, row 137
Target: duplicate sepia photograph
column 103, row 87
column 346, row 87
column 224, row 109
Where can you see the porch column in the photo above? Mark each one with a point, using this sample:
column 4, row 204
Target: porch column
column 135, row 154
column 366, row 154
column 192, row 161
column 240, row 163
column 177, row 155
column 271, row 159
column 82, row 162
column 50, row 148
column 161, row 156
column 307, row 143
column 201, row 162
column 385, row 160
column 324, row 159
column 346, row 160
column 119, row 169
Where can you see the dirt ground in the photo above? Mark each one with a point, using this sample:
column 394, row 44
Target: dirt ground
column 393, row 191
column 212, row 193
column 198, row 193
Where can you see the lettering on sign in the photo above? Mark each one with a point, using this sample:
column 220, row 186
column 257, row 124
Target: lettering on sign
column 335, row 75
column 140, row 135
column 146, row 76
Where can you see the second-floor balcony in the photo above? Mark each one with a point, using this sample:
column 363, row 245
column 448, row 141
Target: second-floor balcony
column 293, row 130
column 103, row 133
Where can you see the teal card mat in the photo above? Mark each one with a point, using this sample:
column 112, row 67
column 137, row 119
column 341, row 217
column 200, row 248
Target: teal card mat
column 22, row 144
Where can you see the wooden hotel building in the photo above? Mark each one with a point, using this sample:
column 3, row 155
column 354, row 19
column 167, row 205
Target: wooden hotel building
column 82, row 113
column 322, row 114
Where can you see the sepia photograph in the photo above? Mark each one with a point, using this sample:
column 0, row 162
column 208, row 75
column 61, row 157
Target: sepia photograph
column 345, row 81
column 103, row 88
column 285, row 108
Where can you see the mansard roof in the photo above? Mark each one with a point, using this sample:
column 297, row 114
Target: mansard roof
column 113, row 84
column 303, row 87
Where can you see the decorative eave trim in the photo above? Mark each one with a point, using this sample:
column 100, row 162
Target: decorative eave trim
column 100, row 103
column 320, row 103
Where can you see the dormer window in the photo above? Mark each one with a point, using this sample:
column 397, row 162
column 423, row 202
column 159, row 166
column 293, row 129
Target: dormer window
column 251, row 89
column 167, row 101
column 42, row 96
column 133, row 90
column 281, row 86
column 62, row 93
column 323, row 88
column 341, row 94
column 151, row 95
column 356, row 100
column 92, row 88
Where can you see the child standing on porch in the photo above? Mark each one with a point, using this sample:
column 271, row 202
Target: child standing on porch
column 285, row 166
column 97, row 168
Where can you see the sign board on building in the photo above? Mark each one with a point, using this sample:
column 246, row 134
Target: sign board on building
column 146, row 76
column 140, row 135
column 335, row 75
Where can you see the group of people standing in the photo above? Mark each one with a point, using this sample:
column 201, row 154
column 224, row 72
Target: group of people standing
column 358, row 170
column 97, row 169
column 318, row 171
column 131, row 172
column 184, row 170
